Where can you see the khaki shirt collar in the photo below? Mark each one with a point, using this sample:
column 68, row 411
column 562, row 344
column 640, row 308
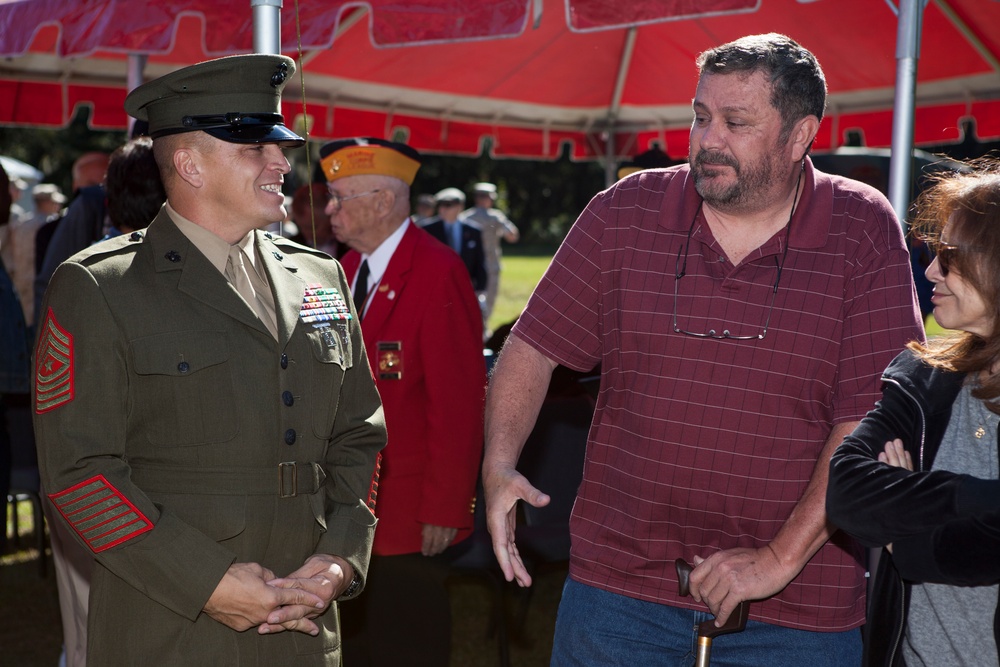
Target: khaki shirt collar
column 215, row 248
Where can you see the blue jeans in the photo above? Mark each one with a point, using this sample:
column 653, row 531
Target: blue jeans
column 595, row 628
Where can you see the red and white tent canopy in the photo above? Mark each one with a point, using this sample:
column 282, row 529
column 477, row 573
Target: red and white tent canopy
column 527, row 74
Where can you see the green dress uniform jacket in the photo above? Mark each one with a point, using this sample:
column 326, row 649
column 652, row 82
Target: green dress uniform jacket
column 177, row 437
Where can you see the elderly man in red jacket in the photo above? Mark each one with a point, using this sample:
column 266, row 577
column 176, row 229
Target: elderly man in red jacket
column 423, row 331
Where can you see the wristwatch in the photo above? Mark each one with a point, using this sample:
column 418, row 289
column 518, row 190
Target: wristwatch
column 352, row 588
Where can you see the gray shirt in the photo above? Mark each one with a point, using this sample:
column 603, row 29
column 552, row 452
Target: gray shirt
column 953, row 625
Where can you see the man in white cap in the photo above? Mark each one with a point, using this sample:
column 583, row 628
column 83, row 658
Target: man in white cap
column 207, row 424
column 495, row 226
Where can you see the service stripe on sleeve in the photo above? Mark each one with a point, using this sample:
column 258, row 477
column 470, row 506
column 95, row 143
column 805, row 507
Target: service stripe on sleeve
column 100, row 514
column 53, row 366
column 373, row 487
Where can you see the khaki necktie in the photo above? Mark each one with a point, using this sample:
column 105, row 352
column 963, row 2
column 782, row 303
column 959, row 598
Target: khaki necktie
column 236, row 272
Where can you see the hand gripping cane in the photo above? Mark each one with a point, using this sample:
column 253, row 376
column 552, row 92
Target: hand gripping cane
column 707, row 630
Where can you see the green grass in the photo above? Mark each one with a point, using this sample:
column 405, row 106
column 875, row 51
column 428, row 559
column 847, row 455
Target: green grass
column 32, row 633
column 518, row 278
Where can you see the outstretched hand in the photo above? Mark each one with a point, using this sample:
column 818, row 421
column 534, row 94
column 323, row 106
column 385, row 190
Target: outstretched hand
column 503, row 489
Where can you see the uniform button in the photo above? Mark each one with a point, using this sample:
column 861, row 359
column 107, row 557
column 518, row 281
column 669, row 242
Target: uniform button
column 287, row 398
column 183, row 367
column 290, row 436
column 284, row 361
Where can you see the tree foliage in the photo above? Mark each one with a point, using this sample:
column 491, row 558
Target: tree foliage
column 542, row 198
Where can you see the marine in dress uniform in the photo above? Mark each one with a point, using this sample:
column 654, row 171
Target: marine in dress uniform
column 215, row 449
column 422, row 326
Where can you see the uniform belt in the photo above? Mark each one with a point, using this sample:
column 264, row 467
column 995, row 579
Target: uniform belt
column 287, row 480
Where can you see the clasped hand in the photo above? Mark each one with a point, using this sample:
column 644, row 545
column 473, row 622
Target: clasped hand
column 249, row 595
column 726, row 578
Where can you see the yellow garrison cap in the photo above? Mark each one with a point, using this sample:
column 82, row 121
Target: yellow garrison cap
column 371, row 156
column 236, row 99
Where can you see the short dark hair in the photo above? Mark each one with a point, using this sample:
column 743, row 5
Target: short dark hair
column 798, row 86
column 134, row 188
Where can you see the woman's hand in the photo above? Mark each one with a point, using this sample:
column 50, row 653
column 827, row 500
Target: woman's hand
column 896, row 456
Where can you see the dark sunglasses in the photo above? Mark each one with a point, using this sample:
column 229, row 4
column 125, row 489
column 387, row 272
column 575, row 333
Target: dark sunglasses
column 946, row 254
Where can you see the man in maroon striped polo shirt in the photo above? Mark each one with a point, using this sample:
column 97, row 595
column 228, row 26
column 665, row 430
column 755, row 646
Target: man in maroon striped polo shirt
column 741, row 308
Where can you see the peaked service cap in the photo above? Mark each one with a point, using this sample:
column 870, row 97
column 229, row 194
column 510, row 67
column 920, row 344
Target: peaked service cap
column 369, row 156
column 235, row 99
column 450, row 194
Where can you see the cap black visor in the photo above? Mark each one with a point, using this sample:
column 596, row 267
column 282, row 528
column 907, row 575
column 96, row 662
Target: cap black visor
column 257, row 134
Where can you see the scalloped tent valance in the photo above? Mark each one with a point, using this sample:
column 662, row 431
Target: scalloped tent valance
column 526, row 75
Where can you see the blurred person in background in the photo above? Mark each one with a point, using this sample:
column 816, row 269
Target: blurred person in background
column 426, row 208
column 495, row 226
column 84, row 222
column 465, row 238
column 134, row 188
column 19, row 251
column 309, row 215
column 14, row 366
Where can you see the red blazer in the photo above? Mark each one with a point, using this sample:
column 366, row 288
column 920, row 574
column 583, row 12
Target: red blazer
column 424, row 336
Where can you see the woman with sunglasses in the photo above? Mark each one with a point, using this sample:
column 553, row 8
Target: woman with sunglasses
column 919, row 475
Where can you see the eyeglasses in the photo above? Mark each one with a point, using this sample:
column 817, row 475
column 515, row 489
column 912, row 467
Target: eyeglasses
column 681, row 271
column 337, row 201
column 726, row 334
column 452, row 202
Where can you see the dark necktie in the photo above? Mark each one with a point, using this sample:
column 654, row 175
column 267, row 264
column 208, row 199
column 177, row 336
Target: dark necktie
column 361, row 288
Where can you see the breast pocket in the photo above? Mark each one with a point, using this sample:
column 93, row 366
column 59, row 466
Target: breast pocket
column 332, row 356
column 184, row 388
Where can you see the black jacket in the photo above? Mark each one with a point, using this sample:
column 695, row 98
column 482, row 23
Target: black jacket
column 944, row 527
column 472, row 248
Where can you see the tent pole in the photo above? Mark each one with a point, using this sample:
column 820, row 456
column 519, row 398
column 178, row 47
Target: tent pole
column 628, row 48
column 909, row 22
column 610, row 173
column 266, row 26
column 135, row 66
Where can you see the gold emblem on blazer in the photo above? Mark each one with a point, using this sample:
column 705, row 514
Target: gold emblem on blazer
column 390, row 360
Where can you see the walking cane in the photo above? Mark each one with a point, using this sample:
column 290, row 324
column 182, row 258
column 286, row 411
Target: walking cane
column 736, row 622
